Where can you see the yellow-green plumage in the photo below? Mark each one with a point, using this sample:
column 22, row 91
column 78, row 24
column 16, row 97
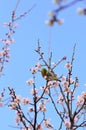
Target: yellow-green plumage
column 48, row 75
column 44, row 72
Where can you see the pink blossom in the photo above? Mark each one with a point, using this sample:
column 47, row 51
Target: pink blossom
column 66, row 89
column 35, row 69
column 15, row 26
column 45, row 89
column 34, row 91
column 13, row 106
column 31, row 109
column 65, row 84
column 29, row 82
column 26, row 101
column 17, row 120
column 68, row 65
column 67, row 123
column 42, row 107
column 53, row 84
column 7, row 41
column 39, row 127
column 60, row 99
column 63, row 78
column 38, row 65
column 80, row 100
column 83, row 95
column 18, row 99
column 76, row 118
column 46, row 122
column 37, row 98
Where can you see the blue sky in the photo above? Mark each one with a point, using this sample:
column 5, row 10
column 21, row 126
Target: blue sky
column 31, row 28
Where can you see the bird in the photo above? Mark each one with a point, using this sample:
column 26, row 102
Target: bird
column 49, row 75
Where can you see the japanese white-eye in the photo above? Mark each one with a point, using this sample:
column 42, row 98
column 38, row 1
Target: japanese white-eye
column 48, row 75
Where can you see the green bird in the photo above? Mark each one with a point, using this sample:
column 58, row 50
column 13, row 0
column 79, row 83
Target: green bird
column 48, row 75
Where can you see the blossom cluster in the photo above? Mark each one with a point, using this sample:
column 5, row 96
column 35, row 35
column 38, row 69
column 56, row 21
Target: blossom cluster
column 81, row 99
column 5, row 50
column 58, row 93
column 61, row 5
column 36, row 68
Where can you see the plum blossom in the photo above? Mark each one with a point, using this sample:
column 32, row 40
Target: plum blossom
column 18, row 98
column 63, row 78
column 7, row 41
column 15, row 26
column 67, row 123
column 39, row 127
column 13, row 106
column 33, row 70
column 60, row 21
column 29, row 82
column 53, row 84
column 17, row 120
column 45, row 89
column 47, row 124
column 84, row 95
column 36, row 68
column 76, row 118
column 80, row 100
column 65, row 84
column 66, row 89
column 38, row 65
column 34, row 91
column 31, row 109
column 42, row 107
column 60, row 99
column 68, row 65
column 26, row 101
